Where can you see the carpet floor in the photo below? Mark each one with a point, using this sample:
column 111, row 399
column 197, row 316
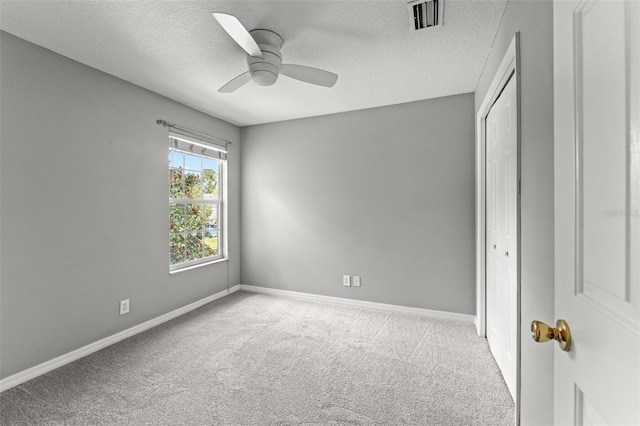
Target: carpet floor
column 252, row 359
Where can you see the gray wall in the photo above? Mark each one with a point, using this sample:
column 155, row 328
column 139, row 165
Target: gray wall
column 84, row 209
column 534, row 20
column 384, row 193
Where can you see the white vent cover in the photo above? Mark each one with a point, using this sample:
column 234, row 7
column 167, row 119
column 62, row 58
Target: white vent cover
column 425, row 14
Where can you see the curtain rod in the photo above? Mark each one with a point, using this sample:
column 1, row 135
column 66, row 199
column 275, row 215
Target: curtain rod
column 164, row 123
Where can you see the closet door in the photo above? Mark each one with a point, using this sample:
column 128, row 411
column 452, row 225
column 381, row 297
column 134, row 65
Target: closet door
column 502, row 227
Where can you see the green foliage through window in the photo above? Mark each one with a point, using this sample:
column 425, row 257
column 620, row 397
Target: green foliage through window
column 194, row 207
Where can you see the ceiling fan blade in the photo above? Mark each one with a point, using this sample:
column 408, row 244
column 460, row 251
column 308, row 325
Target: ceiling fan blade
column 236, row 83
column 309, row 74
column 239, row 33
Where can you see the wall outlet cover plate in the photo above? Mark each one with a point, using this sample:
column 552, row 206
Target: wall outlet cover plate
column 346, row 280
column 124, row 306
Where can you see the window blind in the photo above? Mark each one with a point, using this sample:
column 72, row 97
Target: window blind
column 199, row 144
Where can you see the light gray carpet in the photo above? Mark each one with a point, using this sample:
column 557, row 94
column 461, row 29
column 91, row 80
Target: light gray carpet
column 251, row 359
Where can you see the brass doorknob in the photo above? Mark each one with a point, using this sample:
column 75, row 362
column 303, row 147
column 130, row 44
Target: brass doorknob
column 541, row 332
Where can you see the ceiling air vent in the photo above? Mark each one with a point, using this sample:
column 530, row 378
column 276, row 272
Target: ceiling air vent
column 425, row 14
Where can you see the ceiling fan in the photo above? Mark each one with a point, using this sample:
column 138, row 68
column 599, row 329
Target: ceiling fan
column 264, row 58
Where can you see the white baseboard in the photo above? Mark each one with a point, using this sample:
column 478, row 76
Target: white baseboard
column 449, row 316
column 45, row 367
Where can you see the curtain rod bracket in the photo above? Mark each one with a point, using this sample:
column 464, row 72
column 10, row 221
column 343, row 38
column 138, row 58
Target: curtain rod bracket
column 163, row 123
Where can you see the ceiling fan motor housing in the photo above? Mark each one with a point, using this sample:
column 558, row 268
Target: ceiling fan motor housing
column 265, row 71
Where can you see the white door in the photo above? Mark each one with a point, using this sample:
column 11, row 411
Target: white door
column 501, row 236
column 597, row 210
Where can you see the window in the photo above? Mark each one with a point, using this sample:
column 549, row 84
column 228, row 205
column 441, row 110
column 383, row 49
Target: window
column 196, row 182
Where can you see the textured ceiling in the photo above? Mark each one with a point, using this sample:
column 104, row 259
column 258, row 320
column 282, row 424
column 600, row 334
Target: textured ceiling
column 177, row 49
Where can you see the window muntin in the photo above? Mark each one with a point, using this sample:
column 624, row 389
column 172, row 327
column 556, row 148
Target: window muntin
column 195, row 208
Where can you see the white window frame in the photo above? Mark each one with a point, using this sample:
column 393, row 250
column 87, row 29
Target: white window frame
column 218, row 202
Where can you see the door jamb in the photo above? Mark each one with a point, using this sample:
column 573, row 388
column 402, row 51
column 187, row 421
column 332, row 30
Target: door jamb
column 509, row 68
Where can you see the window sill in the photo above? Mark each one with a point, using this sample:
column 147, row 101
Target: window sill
column 199, row 265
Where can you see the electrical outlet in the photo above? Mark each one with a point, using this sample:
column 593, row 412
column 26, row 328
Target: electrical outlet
column 356, row 281
column 124, row 306
column 346, row 280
